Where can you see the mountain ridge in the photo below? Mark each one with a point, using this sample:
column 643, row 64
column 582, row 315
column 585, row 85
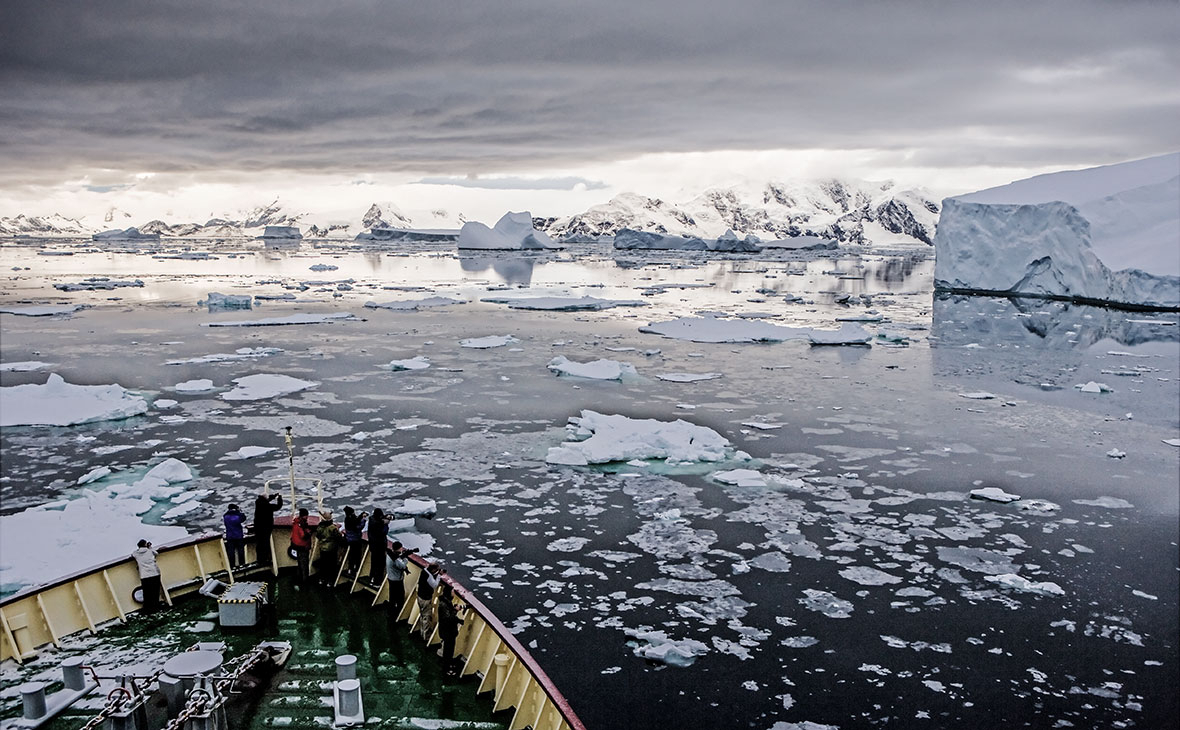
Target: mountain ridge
column 847, row 211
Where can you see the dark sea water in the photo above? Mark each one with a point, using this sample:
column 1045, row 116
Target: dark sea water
column 850, row 590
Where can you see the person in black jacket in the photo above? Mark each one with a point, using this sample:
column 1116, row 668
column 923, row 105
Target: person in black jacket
column 448, row 628
column 264, row 523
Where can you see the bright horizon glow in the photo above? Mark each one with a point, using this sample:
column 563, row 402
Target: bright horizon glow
column 135, row 198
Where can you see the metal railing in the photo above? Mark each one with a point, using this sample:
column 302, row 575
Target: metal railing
column 88, row 599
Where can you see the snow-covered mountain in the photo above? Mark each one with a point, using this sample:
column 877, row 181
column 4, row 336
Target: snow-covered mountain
column 854, row 212
column 1106, row 233
column 42, row 226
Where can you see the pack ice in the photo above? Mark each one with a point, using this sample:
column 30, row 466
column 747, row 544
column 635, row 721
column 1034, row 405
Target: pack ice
column 1107, row 233
column 58, row 403
column 514, row 231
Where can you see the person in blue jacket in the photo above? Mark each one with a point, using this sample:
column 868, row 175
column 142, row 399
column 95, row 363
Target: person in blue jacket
column 235, row 536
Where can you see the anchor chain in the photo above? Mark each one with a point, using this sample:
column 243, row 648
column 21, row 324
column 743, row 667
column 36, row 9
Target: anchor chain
column 198, row 699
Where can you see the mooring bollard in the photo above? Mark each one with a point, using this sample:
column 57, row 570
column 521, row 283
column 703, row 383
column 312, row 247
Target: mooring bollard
column 350, row 697
column 345, row 667
column 72, row 674
column 32, row 695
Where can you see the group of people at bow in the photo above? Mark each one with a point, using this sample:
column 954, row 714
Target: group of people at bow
column 388, row 561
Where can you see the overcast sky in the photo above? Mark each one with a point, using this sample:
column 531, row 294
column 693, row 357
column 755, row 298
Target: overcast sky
column 188, row 105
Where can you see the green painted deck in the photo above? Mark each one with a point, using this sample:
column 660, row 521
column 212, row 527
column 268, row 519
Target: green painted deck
column 402, row 682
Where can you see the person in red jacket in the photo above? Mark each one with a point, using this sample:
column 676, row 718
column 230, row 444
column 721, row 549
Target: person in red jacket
column 301, row 543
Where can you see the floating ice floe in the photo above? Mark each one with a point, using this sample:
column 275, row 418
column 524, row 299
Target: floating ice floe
column 251, row 452
column 568, row 544
column 995, row 494
column 600, row 439
column 26, row 366
column 1024, row 585
column 740, row 477
column 242, row 353
column 657, row 647
column 593, row 370
column 414, row 363
column 291, row 319
column 217, row 301
column 848, row 334
column 484, row 343
column 714, row 329
column 58, row 403
column 687, row 377
column 99, row 283
column 323, row 267
column 200, row 385
column 564, row 304
column 165, row 403
column 1107, row 502
column 62, row 537
column 93, row 475
column 266, row 385
column 1038, row 506
column 866, row 576
column 1093, row 387
column 416, row 508
column 514, row 231
column 978, row 395
column 711, row 328
column 826, row 603
column 413, row 305
column 42, row 310
column 979, row 560
column 1116, row 454
column 1172, row 442
column 763, row 425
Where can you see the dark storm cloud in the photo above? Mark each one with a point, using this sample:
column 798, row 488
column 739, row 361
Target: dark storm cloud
column 468, row 87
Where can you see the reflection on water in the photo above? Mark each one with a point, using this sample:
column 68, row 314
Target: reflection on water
column 1041, row 324
column 513, row 270
column 1042, row 350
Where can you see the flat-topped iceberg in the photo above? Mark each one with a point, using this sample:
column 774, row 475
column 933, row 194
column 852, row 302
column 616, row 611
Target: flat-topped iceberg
column 563, row 304
column 413, row 305
column 282, row 233
column 126, row 234
column 593, row 370
column 514, row 231
column 218, row 301
column 41, row 310
column 58, row 403
column 1108, row 234
column 628, row 239
column 290, row 319
column 598, row 438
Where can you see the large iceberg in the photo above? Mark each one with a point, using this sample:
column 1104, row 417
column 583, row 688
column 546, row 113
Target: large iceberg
column 58, row 403
column 1105, row 234
column 512, row 232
